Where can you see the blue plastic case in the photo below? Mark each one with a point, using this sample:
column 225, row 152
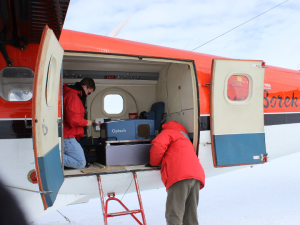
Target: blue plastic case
column 121, row 130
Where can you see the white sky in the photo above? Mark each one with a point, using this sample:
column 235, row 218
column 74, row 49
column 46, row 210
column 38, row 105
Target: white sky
column 273, row 37
column 113, row 104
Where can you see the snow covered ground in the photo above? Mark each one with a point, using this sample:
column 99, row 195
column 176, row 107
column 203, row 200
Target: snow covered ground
column 262, row 195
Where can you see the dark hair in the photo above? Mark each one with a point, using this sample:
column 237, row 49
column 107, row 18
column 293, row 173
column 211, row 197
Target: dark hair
column 89, row 82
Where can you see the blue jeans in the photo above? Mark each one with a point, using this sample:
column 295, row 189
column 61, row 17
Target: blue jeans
column 73, row 154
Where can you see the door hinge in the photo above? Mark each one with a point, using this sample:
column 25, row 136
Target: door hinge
column 206, row 143
column 59, row 122
column 26, row 124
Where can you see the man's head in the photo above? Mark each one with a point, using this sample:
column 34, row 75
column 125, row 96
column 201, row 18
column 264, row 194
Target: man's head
column 88, row 85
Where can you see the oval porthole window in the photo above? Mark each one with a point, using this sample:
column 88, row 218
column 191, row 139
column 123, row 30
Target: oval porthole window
column 51, row 81
column 237, row 88
column 113, row 104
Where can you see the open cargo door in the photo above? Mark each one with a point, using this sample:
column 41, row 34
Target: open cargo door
column 45, row 116
column 237, row 112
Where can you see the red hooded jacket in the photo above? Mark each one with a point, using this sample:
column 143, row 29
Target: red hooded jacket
column 176, row 155
column 74, row 121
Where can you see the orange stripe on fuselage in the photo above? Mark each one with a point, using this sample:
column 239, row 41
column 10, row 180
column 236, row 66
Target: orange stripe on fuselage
column 281, row 85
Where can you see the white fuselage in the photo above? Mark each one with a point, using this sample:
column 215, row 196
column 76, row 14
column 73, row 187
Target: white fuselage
column 18, row 159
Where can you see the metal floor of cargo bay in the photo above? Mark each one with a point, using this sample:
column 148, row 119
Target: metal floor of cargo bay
column 96, row 168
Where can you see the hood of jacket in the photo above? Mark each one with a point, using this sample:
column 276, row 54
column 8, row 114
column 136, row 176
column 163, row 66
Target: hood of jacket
column 173, row 125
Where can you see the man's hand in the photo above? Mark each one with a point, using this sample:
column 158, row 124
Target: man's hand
column 89, row 123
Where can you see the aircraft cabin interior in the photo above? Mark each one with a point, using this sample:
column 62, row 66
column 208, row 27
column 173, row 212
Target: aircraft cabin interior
column 133, row 96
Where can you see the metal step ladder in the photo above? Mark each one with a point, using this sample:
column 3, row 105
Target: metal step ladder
column 111, row 196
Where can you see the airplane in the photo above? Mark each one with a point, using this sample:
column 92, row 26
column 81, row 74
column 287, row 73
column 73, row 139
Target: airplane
column 237, row 112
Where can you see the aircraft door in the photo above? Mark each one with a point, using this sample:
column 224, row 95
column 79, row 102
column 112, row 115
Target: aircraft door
column 45, row 117
column 237, row 112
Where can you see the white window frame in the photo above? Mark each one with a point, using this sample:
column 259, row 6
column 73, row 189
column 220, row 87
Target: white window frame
column 114, row 92
column 250, row 90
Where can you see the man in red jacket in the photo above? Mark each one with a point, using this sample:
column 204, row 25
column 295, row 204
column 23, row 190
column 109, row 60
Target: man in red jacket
column 181, row 173
column 74, row 122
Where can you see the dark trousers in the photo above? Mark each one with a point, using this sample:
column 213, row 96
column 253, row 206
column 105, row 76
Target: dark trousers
column 182, row 202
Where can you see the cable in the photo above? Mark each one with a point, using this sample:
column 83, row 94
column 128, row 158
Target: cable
column 64, row 216
column 189, row 41
column 241, row 25
column 127, row 189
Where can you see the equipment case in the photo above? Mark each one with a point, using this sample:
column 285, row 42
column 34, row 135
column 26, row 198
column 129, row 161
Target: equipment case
column 127, row 130
column 125, row 154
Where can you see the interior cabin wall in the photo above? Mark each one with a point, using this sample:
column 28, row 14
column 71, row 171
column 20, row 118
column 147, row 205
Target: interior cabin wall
column 175, row 86
column 175, row 89
column 136, row 99
column 168, row 81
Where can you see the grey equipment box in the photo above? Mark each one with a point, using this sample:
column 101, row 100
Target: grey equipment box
column 125, row 154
